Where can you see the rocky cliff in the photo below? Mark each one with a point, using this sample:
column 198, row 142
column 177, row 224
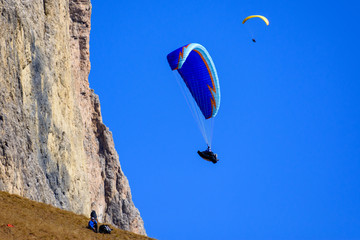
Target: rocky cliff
column 54, row 147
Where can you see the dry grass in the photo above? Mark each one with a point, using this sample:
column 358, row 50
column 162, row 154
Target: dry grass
column 33, row 220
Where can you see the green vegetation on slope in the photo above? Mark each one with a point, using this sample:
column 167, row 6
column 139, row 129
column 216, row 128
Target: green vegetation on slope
column 34, row 220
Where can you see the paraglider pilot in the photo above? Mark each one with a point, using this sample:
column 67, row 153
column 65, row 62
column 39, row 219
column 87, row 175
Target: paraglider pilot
column 253, row 40
column 208, row 155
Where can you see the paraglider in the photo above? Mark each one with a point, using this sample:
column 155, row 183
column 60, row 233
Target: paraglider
column 256, row 16
column 201, row 87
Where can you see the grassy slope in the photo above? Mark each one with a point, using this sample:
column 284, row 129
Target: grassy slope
column 34, row 220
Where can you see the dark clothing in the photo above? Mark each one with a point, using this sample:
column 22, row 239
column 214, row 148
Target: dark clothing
column 253, row 40
column 93, row 215
column 209, row 156
column 105, row 229
column 93, row 225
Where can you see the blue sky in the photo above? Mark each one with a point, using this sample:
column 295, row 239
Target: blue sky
column 287, row 132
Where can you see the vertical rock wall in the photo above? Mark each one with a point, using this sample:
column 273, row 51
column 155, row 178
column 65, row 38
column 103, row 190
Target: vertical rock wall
column 54, row 147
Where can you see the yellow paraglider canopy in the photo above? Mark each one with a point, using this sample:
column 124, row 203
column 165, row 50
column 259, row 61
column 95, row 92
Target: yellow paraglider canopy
column 257, row 16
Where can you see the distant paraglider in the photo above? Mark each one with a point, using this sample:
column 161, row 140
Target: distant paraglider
column 200, row 85
column 256, row 16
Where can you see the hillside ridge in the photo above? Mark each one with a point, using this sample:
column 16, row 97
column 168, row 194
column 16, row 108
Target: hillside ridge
column 34, row 220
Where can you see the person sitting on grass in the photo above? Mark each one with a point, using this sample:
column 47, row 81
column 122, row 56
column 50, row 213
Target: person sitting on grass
column 93, row 224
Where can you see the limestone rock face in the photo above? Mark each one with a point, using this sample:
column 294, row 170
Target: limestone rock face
column 54, row 147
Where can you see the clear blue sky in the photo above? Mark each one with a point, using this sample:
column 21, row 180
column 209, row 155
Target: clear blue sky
column 287, row 131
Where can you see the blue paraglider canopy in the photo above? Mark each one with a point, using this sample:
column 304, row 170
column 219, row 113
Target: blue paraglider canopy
column 196, row 68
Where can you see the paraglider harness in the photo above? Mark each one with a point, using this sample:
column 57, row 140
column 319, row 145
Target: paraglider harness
column 105, row 229
column 208, row 155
